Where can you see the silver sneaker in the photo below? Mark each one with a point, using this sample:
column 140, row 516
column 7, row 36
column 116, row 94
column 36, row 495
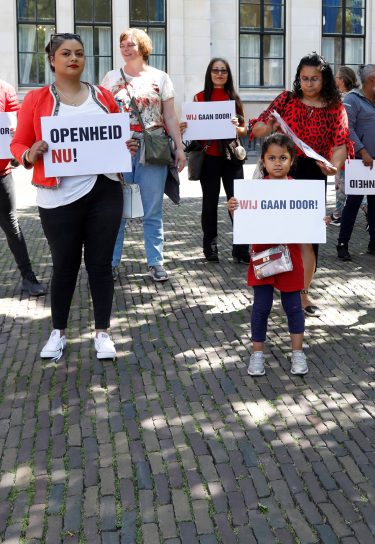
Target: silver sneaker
column 157, row 272
column 299, row 364
column 256, row 365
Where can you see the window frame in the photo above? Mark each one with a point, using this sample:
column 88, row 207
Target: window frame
column 344, row 35
column 262, row 32
column 93, row 24
column 146, row 25
column 36, row 23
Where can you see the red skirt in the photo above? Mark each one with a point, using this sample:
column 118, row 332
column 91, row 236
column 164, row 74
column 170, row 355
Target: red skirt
column 285, row 282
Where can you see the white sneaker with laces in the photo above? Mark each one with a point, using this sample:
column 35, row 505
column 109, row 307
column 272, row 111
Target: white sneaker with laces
column 256, row 365
column 299, row 363
column 105, row 348
column 54, row 347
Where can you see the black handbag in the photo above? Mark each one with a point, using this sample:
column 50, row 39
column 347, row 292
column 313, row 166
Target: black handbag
column 195, row 156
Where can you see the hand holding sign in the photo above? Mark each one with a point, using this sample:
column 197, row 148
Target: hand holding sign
column 209, row 120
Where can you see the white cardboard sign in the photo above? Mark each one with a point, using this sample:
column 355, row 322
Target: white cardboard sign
column 86, row 144
column 8, row 120
column 359, row 179
column 279, row 211
column 209, row 120
column 308, row 151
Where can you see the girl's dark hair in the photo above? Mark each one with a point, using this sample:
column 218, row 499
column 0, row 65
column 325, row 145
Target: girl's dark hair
column 329, row 93
column 348, row 77
column 56, row 40
column 282, row 141
column 228, row 87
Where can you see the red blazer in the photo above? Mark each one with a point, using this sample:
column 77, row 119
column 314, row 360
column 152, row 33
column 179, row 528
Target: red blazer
column 8, row 102
column 41, row 103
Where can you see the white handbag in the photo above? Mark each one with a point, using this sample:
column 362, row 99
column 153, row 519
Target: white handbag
column 133, row 206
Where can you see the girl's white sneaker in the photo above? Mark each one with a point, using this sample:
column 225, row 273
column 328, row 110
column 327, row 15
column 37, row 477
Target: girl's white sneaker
column 256, row 365
column 54, row 347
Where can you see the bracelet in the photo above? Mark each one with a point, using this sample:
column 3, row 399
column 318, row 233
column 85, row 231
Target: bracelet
column 27, row 157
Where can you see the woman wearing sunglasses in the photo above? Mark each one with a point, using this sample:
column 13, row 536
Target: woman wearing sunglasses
column 218, row 85
column 77, row 212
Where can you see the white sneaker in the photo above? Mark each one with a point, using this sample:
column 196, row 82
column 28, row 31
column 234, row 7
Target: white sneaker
column 54, row 347
column 299, row 363
column 105, row 348
column 256, row 365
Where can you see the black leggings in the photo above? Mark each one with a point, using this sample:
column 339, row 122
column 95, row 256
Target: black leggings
column 263, row 300
column 9, row 224
column 214, row 169
column 91, row 223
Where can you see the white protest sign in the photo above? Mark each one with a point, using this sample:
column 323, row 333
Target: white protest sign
column 86, row 144
column 359, row 179
column 209, row 120
column 308, row 151
column 279, row 211
column 8, row 120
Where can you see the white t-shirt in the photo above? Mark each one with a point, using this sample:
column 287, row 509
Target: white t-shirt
column 71, row 188
column 149, row 90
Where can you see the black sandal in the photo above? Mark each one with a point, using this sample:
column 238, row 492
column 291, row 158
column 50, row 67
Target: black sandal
column 311, row 310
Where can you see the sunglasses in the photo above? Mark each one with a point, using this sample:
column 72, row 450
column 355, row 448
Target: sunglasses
column 219, row 71
column 64, row 36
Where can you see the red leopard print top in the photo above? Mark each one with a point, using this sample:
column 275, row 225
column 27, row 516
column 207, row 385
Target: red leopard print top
column 320, row 128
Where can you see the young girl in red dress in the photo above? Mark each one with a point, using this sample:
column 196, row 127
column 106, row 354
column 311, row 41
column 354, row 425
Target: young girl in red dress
column 277, row 157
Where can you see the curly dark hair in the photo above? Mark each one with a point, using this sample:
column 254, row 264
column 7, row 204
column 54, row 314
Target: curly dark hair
column 282, row 140
column 329, row 92
column 228, row 87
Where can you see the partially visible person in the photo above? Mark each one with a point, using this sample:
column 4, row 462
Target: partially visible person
column 78, row 213
column 314, row 112
column 277, row 156
column 346, row 80
column 153, row 95
column 218, row 86
column 8, row 215
column 360, row 106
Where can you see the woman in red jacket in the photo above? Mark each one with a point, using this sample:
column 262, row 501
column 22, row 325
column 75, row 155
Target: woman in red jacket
column 77, row 212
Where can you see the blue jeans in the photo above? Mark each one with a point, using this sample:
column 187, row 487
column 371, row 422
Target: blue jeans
column 151, row 179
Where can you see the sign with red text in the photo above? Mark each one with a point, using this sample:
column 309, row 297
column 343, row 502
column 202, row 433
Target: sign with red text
column 86, row 144
column 359, row 179
column 279, row 211
column 209, row 120
column 8, row 120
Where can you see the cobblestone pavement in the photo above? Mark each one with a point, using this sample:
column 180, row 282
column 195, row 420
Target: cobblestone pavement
column 174, row 442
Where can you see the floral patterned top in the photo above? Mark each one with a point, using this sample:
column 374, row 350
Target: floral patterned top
column 321, row 128
column 149, row 91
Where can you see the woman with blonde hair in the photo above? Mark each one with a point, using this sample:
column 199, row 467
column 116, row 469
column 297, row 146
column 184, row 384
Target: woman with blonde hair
column 148, row 95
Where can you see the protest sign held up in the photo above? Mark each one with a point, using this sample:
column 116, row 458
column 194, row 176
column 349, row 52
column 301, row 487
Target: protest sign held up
column 279, row 211
column 209, row 120
column 359, row 179
column 7, row 121
column 86, row 144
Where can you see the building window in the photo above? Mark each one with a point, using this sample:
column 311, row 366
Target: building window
column 150, row 16
column 262, row 39
column 36, row 20
column 93, row 22
column 343, row 40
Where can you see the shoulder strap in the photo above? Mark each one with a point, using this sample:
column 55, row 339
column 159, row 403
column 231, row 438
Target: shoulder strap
column 133, row 103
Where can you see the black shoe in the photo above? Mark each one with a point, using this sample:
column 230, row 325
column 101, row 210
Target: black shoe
column 212, row 257
column 342, row 252
column 371, row 248
column 241, row 253
column 32, row 286
column 312, row 311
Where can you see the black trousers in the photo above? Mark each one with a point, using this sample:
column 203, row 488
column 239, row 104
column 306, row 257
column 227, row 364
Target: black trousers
column 214, row 170
column 9, row 224
column 90, row 223
column 349, row 215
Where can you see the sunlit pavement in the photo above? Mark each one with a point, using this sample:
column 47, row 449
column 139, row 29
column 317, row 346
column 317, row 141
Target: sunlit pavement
column 174, row 442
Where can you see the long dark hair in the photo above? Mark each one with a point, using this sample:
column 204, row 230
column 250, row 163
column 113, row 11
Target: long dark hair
column 282, row 140
column 228, row 87
column 329, row 93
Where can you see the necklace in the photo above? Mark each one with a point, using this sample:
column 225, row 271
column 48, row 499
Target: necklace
column 67, row 97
